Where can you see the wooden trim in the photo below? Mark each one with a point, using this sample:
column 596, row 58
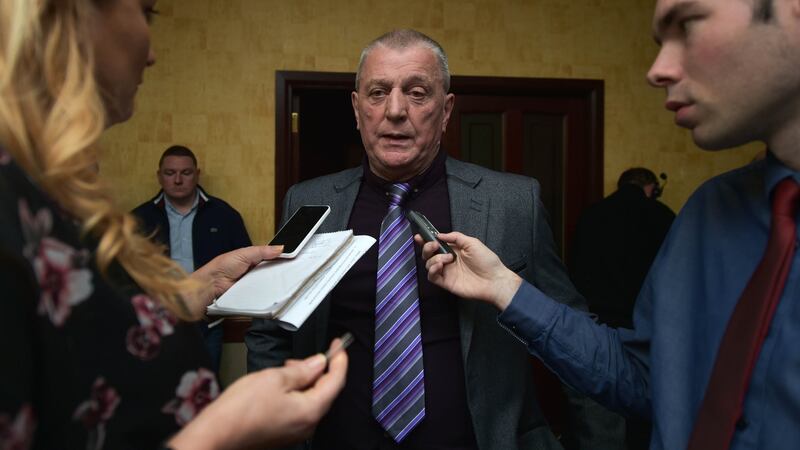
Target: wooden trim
column 286, row 82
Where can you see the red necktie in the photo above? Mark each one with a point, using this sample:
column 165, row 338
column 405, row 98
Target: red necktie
column 747, row 328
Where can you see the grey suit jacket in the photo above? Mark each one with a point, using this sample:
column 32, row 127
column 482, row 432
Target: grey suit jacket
column 503, row 211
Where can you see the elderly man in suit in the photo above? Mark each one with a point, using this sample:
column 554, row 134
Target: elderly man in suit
column 426, row 371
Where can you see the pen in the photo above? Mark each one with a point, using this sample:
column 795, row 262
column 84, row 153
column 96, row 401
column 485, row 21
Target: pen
column 344, row 342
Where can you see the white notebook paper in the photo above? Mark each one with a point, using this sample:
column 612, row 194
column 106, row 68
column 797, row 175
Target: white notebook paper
column 289, row 290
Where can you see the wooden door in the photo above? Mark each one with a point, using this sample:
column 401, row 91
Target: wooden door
column 550, row 130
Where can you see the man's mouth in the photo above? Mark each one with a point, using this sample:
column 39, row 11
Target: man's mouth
column 395, row 138
column 683, row 112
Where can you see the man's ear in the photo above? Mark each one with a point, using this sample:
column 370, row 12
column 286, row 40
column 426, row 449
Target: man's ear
column 449, row 101
column 648, row 190
column 354, row 101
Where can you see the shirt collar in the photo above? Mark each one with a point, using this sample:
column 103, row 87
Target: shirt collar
column 775, row 172
column 168, row 204
column 426, row 179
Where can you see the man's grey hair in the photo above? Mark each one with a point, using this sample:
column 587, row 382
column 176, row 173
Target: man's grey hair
column 403, row 39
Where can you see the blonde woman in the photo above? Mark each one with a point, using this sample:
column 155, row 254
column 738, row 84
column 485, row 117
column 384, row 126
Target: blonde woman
column 94, row 334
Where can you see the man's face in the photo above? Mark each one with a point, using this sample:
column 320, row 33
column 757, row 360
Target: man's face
column 730, row 78
column 401, row 110
column 178, row 178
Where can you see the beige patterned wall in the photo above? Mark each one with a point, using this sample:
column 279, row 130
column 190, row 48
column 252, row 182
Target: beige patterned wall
column 212, row 87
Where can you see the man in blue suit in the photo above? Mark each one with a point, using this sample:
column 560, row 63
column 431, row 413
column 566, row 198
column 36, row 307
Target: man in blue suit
column 713, row 357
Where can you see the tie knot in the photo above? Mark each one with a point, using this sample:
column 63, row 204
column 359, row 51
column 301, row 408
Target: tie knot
column 398, row 193
column 785, row 198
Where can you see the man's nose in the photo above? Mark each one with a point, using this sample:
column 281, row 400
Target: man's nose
column 178, row 179
column 666, row 69
column 396, row 105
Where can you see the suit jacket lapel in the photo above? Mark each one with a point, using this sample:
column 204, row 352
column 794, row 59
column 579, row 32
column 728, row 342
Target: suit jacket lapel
column 469, row 214
column 345, row 192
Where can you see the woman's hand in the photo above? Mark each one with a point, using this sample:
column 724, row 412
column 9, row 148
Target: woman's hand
column 269, row 408
column 221, row 272
column 476, row 272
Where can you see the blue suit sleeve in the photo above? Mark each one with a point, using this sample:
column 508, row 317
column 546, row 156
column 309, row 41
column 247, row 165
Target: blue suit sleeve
column 603, row 363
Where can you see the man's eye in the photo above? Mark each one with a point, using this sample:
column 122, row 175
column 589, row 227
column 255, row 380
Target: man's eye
column 417, row 94
column 686, row 24
column 377, row 93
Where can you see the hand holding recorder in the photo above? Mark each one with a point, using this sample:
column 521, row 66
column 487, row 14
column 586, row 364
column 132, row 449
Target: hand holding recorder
column 477, row 273
column 422, row 226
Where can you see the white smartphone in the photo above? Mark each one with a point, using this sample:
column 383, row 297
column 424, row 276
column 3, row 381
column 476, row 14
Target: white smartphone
column 296, row 232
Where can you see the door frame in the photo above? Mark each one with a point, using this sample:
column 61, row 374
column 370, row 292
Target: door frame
column 582, row 169
column 287, row 162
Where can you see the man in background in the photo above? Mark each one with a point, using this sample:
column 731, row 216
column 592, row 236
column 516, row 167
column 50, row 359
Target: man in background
column 614, row 245
column 426, row 370
column 194, row 226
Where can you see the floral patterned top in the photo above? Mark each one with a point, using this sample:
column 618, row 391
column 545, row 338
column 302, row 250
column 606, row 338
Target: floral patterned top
column 88, row 362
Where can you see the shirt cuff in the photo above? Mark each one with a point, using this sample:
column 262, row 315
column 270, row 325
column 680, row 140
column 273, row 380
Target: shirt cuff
column 529, row 314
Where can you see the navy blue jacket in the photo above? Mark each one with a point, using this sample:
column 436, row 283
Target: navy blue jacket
column 217, row 227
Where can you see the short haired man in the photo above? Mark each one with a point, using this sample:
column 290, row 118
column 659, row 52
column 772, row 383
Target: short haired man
column 426, row 371
column 194, row 226
column 713, row 358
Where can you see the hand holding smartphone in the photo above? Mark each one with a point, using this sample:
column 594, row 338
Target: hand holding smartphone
column 297, row 231
column 422, row 226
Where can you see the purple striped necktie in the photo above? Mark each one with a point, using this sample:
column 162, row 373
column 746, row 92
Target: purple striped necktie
column 398, row 390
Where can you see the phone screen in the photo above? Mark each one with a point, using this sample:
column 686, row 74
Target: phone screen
column 302, row 223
